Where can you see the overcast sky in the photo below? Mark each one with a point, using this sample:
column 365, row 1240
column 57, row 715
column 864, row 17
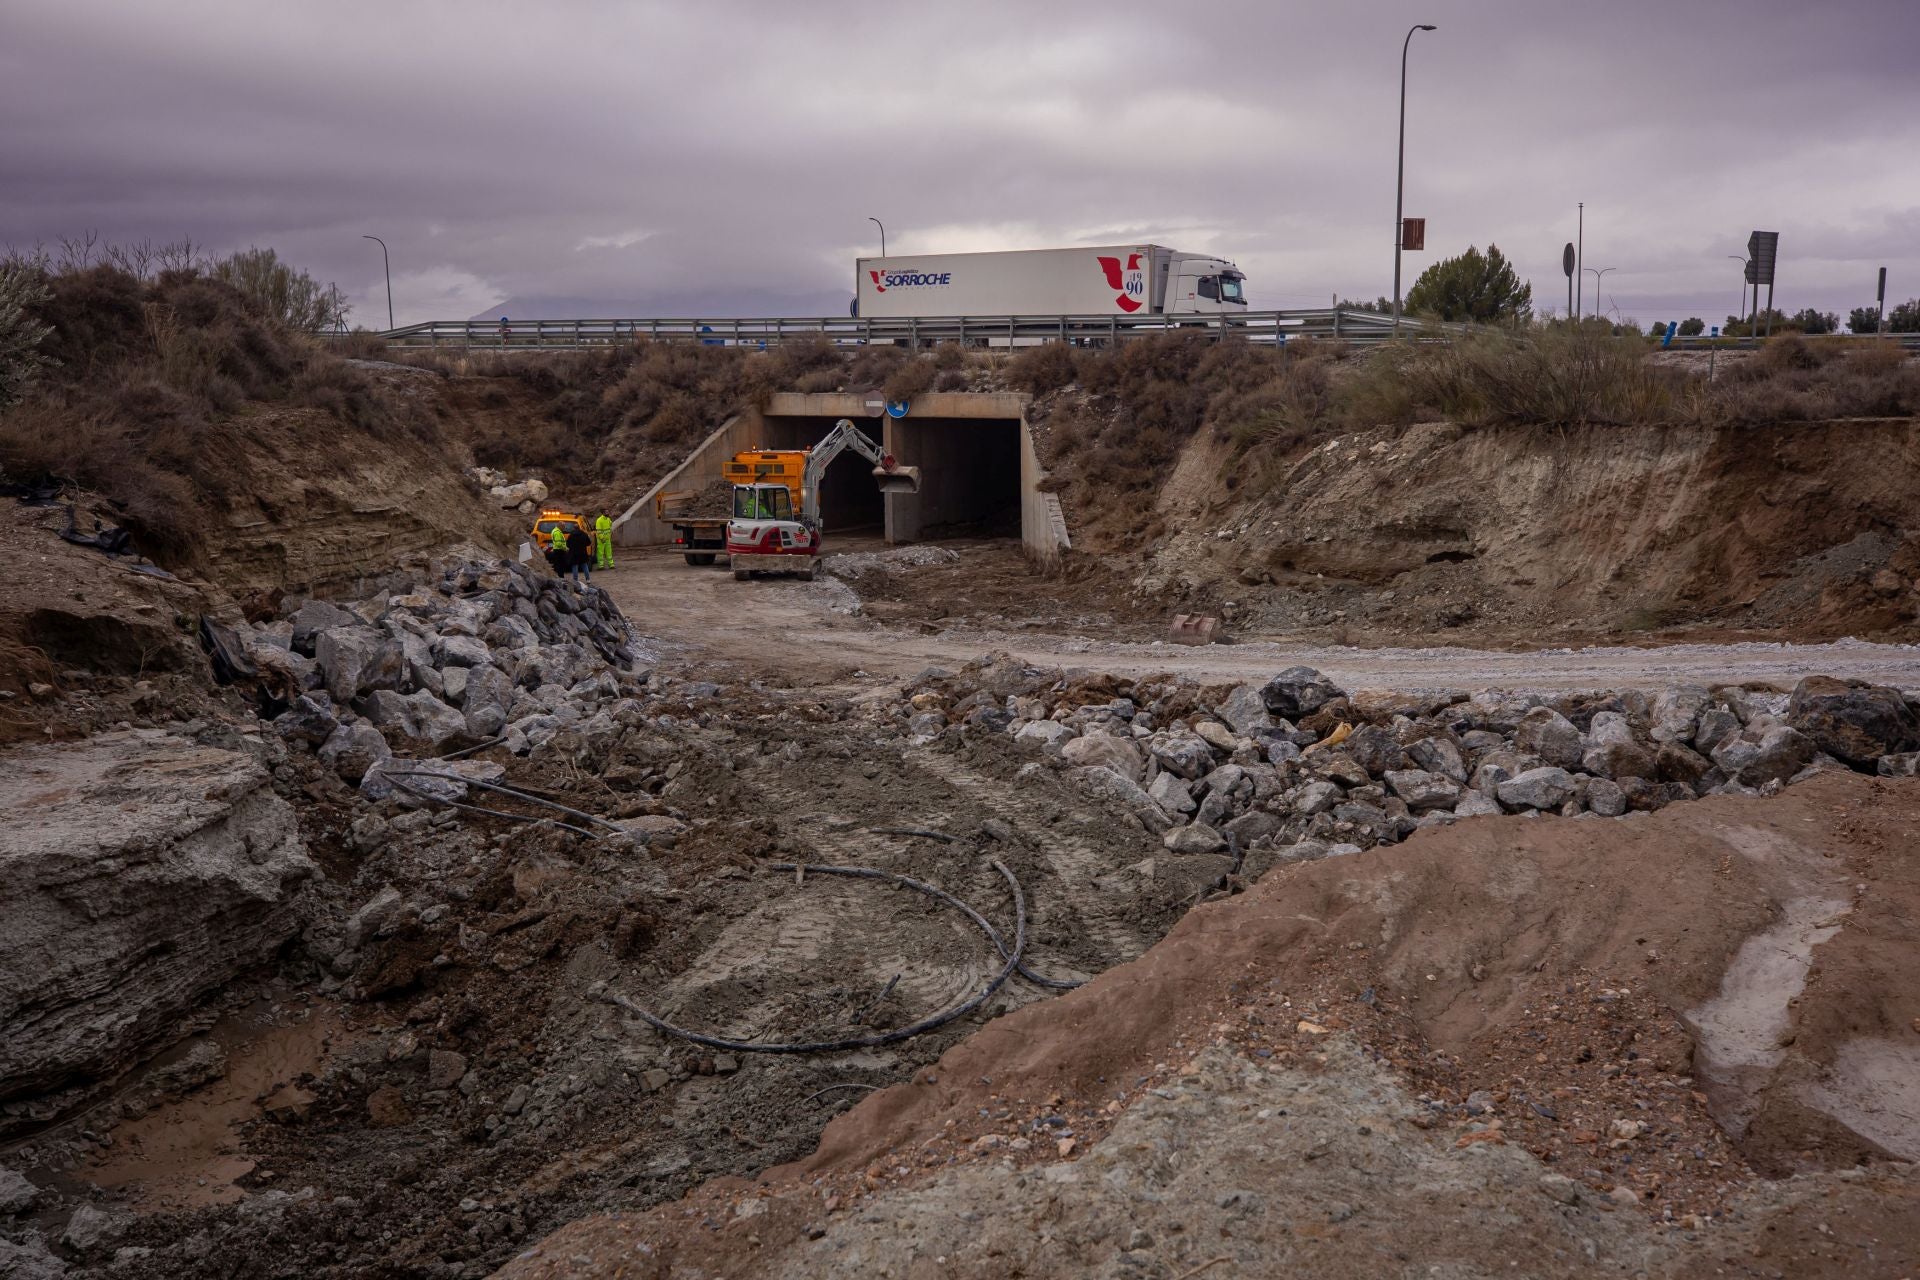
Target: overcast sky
column 555, row 159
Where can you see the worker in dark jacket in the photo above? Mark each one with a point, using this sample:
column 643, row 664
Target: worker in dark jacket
column 580, row 555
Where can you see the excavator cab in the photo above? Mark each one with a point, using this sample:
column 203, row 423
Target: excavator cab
column 762, row 502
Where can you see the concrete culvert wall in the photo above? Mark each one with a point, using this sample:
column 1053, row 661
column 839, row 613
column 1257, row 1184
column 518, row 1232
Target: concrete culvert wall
column 969, row 478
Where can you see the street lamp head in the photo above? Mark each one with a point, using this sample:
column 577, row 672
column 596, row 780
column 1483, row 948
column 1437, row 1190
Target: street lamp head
column 1426, row 27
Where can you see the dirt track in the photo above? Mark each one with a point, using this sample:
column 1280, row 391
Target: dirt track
column 812, row 633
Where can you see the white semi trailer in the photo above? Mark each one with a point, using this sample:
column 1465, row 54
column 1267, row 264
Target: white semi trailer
column 1129, row 279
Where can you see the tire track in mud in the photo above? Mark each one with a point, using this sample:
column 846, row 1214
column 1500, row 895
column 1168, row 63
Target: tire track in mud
column 1106, row 899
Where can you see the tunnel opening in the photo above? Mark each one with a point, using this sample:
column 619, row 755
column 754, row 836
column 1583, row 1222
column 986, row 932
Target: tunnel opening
column 969, row 479
column 850, row 501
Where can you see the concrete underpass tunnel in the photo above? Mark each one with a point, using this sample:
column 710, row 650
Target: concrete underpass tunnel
column 969, row 478
column 850, row 500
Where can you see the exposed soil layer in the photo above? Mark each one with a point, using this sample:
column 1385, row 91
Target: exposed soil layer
column 1526, row 534
column 1518, row 985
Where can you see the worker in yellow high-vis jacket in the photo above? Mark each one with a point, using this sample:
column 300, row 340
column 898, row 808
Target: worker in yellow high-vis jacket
column 602, row 542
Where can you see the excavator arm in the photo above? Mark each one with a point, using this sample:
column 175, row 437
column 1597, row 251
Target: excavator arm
column 892, row 477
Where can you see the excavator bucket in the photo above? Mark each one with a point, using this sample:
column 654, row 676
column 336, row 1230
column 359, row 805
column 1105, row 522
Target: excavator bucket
column 897, row 479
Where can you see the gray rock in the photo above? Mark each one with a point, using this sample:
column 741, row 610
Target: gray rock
column 1171, row 793
column 1245, row 710
column 1605, row 798
column 1438, row 755
column 1904, row 765
column 1103, row 783
column 1488, row 776
column 1216, row 735
column 1339, row 767
column 309, row 719
column 1280, row 751
column 1547, row 788
column 461, row 651
column 1852, row 720
column 29, row 1260
column 1422, row 790
column 314, row 617
column 419, row 715
column 453, row 685
column 16, row 1193
column 1107, row 751
column 1546, row 733
column 374, row 917
column 1775, row 754
column 1049, row 735
column 1186, row 754
column 1677, row 763
column 1318, row 796
column 140, row 873
column 1715, row 726
column 1256, row 824
column 445, row 1068
column 1298, row 691
column 357, row 660
column 489, row 693
column 1616, row 759
column 1375, row 749
column 1475, row 804
column 352, row 749
column 1676, row 713
column 1609, row 726
column 1197, row 838
column 1216, row 810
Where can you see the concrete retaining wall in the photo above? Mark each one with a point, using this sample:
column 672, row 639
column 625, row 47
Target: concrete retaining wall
column 637, row 526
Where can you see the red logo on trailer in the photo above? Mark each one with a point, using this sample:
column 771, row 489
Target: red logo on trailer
column 1130, row 285
column 879, row 285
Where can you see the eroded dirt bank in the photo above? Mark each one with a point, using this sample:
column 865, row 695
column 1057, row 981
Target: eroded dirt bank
column 1409, row 1058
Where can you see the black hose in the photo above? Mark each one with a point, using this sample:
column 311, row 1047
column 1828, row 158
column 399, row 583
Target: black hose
column 863, row 1042
column 985, row 925
column 430, row 798
column 505, row 791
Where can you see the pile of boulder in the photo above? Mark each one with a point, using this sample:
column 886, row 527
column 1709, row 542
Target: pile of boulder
column 1296, row 765
column 524, row 496
column 485, row 651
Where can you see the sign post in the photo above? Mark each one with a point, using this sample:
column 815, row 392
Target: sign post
column 1880, row 304
column 1763, row 247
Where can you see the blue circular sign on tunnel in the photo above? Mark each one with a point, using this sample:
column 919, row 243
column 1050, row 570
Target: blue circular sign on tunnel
column 897, row 408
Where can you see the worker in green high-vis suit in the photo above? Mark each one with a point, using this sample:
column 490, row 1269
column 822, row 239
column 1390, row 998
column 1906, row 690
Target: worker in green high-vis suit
column 602, row 542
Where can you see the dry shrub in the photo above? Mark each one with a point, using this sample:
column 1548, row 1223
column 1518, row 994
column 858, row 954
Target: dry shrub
column 1044, row 368
column 913, row 377
column 155, row 402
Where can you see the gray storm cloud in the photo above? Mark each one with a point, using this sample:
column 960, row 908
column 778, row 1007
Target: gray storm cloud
column 724, row 158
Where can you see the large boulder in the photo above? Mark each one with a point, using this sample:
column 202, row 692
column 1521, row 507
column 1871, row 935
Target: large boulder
column 1104, row 784
column 1186, row 754
column 1422, row 790
column 1198, row 838
column 1049, row 735
column 309, row 719
column 314, row 617
column 1245, row 710
column 1376, row 749
column 419, row 715
column 460, row 651
column 1545, row 788
column 1852, row 720
column 1546, row 733
column 489, row 697
column 1676, row 713
column 1117, row 754
column 357, row 660
column 1438, row 755
column 1298, row 691
column 352, row 749
column 1171, row 793
column 1758, row 755
column 140, row 874
column 1615, row 759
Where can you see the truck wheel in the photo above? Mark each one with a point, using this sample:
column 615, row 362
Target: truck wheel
column 698, row 557
column 807, row 576
column 741, row 575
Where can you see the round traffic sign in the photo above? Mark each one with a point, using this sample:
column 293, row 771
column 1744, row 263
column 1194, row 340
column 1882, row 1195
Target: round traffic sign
column 897, row 408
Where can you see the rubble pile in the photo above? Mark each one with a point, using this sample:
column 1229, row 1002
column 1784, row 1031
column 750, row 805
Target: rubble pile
column 524, row 496
column 487, row 651
column 1297, row 769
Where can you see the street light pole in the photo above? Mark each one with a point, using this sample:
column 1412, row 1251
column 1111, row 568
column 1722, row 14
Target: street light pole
column 1400, row 172
column 883, row 234
column 1580, row 265
column 1743, row 281
column 387, row 267
column 1596, row 273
